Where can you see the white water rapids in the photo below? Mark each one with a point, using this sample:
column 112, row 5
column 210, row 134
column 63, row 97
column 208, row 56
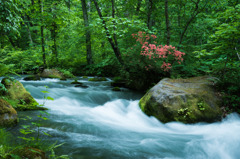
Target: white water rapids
column 96, row 122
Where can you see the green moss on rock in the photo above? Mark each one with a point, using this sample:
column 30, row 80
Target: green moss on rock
column 116, row 89
column 169, row 97
column 19, row 97
column 97, row 79
column 51, row 73
column 76, row 82
column 32, row 78
column 8, row 115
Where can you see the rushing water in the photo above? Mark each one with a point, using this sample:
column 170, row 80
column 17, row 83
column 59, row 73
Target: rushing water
column 96, row 122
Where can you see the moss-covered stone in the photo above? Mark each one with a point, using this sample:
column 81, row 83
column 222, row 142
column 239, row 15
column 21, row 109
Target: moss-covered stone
column 63, row 79
column 76, row 82
column 116, row 89
column 51, row 73
column 8, row 115
column 32, row 78
column 118, row 82
column 97, row 79
column 18, row 96
column 186, row 100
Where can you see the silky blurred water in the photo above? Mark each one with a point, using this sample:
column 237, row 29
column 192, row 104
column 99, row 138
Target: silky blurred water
column 96, row 122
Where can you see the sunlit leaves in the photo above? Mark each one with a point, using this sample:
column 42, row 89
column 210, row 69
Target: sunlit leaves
column 10, row 17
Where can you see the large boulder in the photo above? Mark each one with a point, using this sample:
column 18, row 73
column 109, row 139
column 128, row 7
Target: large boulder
column 18, row 96
column 52, row 73
column 186, row 100
column 8, row 115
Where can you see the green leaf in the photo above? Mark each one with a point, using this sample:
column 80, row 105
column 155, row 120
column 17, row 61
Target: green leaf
column 25, row 126
column 49, row 98
column 44, row 91
column 46, row 134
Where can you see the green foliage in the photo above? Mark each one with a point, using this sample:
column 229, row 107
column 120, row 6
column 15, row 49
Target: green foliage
column 97, row 79
column 118, row 79
column 45, row 97
column 107, row 67
column 222, row 59
column 4, row 69
column 21, row 61
column 201, row 105
column 66, row 73
column 9, row 148
column 3, row 89
column 5, row 143
column 34, row 128
column 184, row 112
column 229, row 86
column 10, row 17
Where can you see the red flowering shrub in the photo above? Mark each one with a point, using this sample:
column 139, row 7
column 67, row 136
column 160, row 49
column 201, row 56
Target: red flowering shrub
column 157, row 55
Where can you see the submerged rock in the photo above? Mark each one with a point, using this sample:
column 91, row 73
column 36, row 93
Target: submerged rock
column 76, row 82
column 18, row 96
column 118, row 82
column 97, row 79
column 52, row 73
column 32, row 78
column 116, row 89
column 81, row 85
column 186, row 100
column 8, row 115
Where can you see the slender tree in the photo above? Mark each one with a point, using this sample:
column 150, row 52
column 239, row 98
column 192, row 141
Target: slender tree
column 149, row 14
column 114, row 23
column 40, row 2
column 167, row 22
column 29, row 33
column 139, row 2
column 196, row 11
column 113, row 45
column 54, row 33
column 87, row 32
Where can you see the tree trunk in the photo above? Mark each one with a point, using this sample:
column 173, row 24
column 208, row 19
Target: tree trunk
column 54, row 35
column 149, row 15
column 29, row 34
column 114, row 47
column 88, row 33
column 69, row 5
column 54, row 38
column 195, row 13
column 42, row 34
column 138, row 6
column 11, row 41
column 179, row 13
column 167, row 22
column 114, row 23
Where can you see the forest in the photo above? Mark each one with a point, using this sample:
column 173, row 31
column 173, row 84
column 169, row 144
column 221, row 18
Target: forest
column 138, row 42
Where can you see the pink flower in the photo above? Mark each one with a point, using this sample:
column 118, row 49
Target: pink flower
column 152, row 46
column 154, row 36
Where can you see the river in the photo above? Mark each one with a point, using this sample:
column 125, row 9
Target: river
column 96, row 122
